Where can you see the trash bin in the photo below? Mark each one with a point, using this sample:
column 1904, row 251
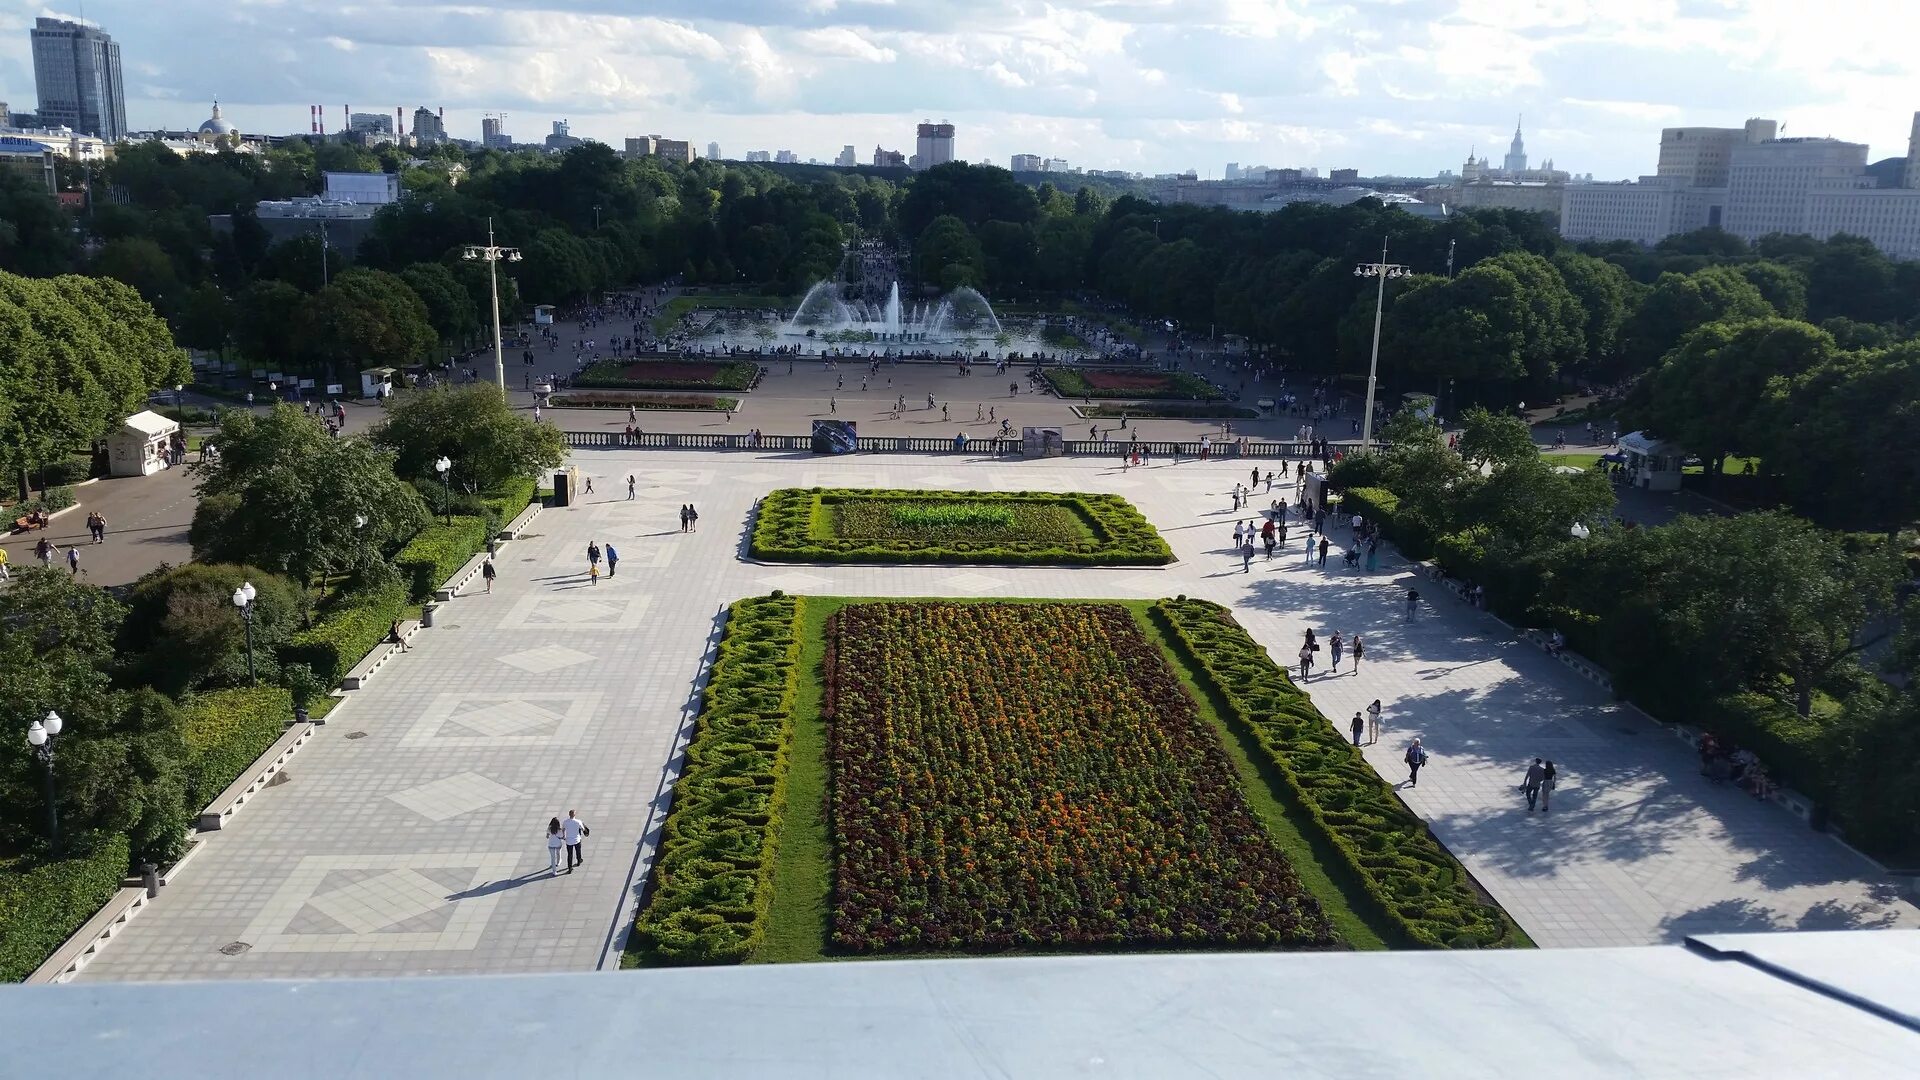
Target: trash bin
column 562, row 489
column 426, row 615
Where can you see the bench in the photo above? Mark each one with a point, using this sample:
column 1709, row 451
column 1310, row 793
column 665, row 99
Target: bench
column 460, row 578
column 521, row 522
column 256, row 776
column 1586, row 668
column 85, row 944
column 372, row 662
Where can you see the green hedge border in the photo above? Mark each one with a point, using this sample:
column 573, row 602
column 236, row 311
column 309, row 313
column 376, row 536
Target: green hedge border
column 42, row 903
column 225, row 731
column 437, row 551
column 712, row 882
column 734, row 375
column 783, row 531
column 1420, row 887
column 1072, row 382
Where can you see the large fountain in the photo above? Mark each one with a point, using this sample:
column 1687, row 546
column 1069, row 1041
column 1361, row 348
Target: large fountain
column 960, row 316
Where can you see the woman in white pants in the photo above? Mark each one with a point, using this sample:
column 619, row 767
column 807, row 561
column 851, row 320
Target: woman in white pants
column 553, row 846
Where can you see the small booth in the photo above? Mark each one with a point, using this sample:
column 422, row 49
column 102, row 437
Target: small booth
column 543, row 315
column 139, row 448
column 1650, row 463
column 377, row 382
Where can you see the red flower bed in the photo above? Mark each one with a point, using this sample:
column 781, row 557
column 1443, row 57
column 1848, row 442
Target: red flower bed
column 677, row 370
column 1034, row 775
column 1126, row 380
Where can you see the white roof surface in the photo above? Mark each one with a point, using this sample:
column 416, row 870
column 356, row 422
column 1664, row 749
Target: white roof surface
column 151, row 423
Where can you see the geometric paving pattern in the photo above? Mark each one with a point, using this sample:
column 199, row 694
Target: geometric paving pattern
column 493, row 720
column 544, row 659
column 544, row 611
column 381, row 903
column 452, row 796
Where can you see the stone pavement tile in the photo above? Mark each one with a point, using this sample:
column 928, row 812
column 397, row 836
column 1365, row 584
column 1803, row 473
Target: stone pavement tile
column 571, row 706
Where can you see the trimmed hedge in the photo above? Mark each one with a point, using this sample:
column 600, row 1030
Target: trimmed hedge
column 1416, row 883
column 667, row 375
column 437, row 550
column 1798, row 751
column 1382, row 507
column 43, row 903
column 345, row 633
column 512, row 497
column 712, row 882
column 792, row 526
column 1169, row 410
column 1179, row 385
column 225, row 730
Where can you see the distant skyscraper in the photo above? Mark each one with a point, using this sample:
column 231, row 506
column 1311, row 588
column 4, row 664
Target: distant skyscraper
column 933, row 145
column 493, row 133
column 846, row 160
column 1516, row 152
column 786, row 157
column 1025, row 163
column 76, row 69
column 428, row 128
column 370, row 122
column 758, row 156
column 1233, row 171
column 713, row 151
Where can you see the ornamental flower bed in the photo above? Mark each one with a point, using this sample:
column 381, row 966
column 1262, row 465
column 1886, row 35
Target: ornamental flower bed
column 1022, row 527
column 667, row 375
column 1131, row 383
column 713, row 880
column 1417, row 884
column 1034, row 776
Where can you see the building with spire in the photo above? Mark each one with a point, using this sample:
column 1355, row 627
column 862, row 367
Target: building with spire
column 1516, row 152
column 1512, row 186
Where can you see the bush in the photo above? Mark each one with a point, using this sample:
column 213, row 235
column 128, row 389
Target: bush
column 182, row 631
column 1358, row 471
column 667, row 375
column 438, row 550
column 791, row 526
column 512, row 497
column 69, row 470
column 1796, row 750
column 346, row 632
column 712, row 882
column 225, row 731
column 51, row 500
column 43, row 902
column 1381, row 506
column 1416, row 884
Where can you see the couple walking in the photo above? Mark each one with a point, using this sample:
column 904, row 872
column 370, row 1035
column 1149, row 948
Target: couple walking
column 567, row 834
column 1538, row 784
column 689, row 519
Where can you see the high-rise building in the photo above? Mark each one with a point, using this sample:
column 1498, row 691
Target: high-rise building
column 1026, row 163
column 1516, row 160
column 1912, row 177
column 679, row 150
column 1700, row 156
column 785, row 157
column 933, row 145
column 1768, row 183
column 1055, row 165
column 493, row 133
column 371, row 123
column 888, row 158
column 713, row 151
column 428, row 128
column 76, row 69
column 846, row 160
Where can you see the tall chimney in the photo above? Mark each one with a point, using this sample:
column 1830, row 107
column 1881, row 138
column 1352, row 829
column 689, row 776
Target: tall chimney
column 399, row 122
column 346, row 118
column 313, row 122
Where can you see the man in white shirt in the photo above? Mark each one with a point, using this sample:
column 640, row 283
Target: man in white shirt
column 573, row 830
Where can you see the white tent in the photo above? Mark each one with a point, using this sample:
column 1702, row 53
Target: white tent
column 139, row 448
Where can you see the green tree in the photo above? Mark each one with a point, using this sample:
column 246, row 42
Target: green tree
column 1490, row 439
column 183, row 632
column 1781, row 285
column 475, row 428
column 450, row 309
column 265, row 318
column 1604, row 293
column 285, row 496
column 1708, row 394
column 366, row 318
column 1846, row 438
column 207, row 318
column 948, row 254
column 36, row 236
column 1679, row 303
column 140, row 263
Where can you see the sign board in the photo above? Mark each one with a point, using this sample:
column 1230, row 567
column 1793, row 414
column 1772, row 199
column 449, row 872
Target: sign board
column 334, row 389
column 1042, row 442
column 835, row 437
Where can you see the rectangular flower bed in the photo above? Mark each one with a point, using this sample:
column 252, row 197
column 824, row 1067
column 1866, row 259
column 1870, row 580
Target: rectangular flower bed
column 887, row 526
column 667, row 375
column 1131, row 383
column 1035, row 776
column 1417, row 884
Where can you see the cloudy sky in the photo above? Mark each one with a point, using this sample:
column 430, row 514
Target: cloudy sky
column 1387, row 86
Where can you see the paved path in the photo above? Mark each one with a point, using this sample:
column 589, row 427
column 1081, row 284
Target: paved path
column 417, row 847
column 147, row 521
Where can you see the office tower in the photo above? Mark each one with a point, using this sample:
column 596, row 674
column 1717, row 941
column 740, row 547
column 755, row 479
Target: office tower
column 933, row 145
column 76, row 69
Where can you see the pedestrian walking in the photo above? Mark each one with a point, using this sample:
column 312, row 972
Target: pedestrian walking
column 1256, row 479
column 1416, row 757
column 1239, row 532
column 487, row 573
column 589, row 490
column 1373, row 721
column 593, row 553
column 554, row 843
column 1413, row 603
column 573, row 830
column 833, row 405
column 1358, row 725
column 5, row 574
column 73, row 560
column 1549, row 778
column 1323, row 550
column 1530, row 783
column 1246, row 556
column 1334, row 648
column 693, row 518
column 629, row 487
column 1373, row 553
column 1306, row 659
column 613, row 561
column 683, row 517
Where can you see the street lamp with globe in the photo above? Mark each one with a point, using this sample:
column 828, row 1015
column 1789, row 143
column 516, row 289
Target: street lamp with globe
column 445, row 468
column 1381, row 270
column 40, row 736
column 243, row 599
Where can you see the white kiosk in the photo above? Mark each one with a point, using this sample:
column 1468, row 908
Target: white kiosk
column 377, row 382
column 139, row 448
column 1653, row 464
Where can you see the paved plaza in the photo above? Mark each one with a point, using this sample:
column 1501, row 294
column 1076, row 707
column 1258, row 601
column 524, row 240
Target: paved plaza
column 409, row 835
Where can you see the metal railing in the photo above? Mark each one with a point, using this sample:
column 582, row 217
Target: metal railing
column 1156, row 450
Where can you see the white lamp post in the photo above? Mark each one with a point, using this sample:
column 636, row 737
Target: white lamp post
column 1579, row 531
column 243, row 599
column 40, row 736
column 445, row 468
column 1382, row 270
column 493, row 253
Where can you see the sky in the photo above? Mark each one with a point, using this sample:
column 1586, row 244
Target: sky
column 1402, row 87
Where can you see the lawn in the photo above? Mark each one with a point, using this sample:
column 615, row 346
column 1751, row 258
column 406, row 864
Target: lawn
column 893, row 526
column 947, row 777
column 677, row 308
column 1131, row 383
column 667, row 375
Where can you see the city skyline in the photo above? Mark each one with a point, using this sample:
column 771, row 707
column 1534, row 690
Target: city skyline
column 1147, row 87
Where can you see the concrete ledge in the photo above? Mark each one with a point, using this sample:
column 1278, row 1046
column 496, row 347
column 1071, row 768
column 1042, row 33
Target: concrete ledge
column 1796, row 804
column 451, row 588
column 1586, row 668
column 358, row 675
column 85, row 944
column 254, row 778
column 521, row 522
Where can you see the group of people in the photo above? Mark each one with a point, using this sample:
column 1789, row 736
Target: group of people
column 1336, row 646
column 1722, row 762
